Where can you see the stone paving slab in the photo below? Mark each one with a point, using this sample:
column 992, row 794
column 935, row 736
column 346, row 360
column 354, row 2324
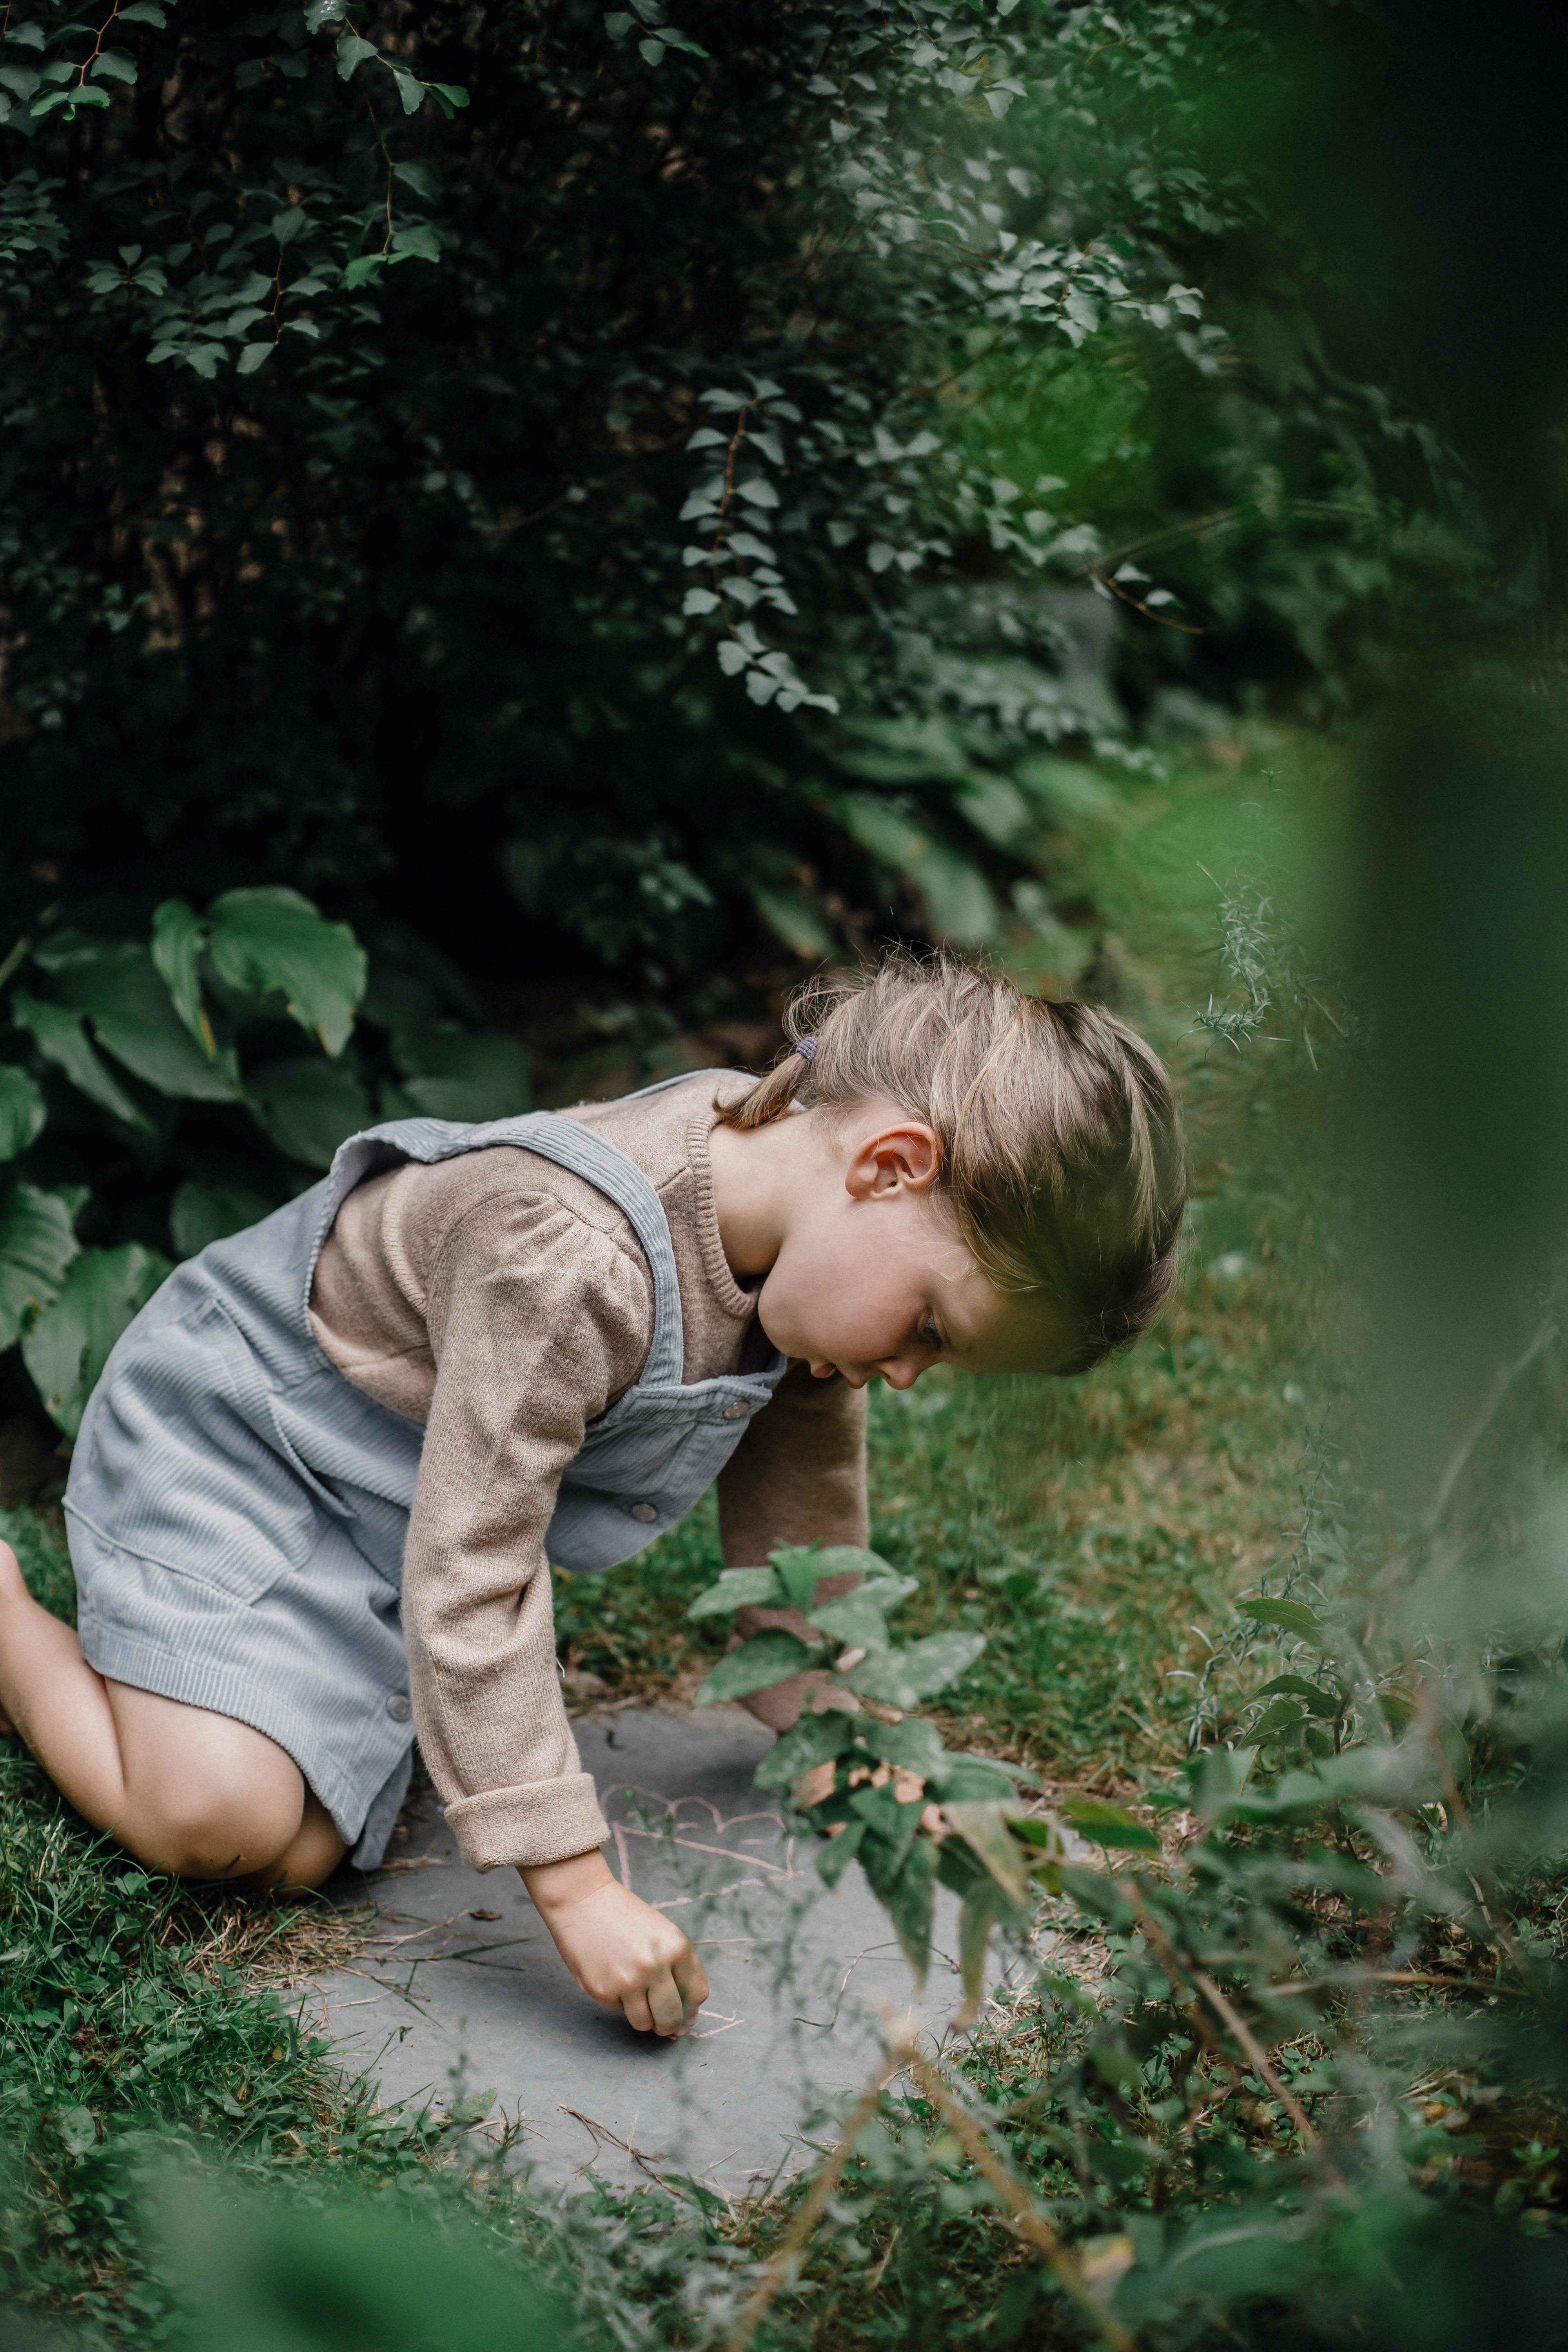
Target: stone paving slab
column 462, row 1990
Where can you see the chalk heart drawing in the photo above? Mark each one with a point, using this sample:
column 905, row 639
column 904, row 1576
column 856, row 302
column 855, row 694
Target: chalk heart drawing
column 459, row 1988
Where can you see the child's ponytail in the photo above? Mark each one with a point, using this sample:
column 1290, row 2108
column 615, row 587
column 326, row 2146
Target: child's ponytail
column 1062, row 1156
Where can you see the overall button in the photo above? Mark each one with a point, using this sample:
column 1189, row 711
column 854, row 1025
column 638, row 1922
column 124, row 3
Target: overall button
column 736, row 1412
column 644, row 1511
column 398, row 1707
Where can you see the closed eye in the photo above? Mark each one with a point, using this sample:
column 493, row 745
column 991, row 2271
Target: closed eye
column 928, row 1335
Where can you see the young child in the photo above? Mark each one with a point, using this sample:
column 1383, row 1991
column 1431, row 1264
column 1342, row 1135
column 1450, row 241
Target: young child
column 316, row 1490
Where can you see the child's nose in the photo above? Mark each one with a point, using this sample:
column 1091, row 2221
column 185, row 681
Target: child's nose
column 901, row 1373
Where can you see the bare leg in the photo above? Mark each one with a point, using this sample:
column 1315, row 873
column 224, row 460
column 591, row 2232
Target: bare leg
column 184, row 1790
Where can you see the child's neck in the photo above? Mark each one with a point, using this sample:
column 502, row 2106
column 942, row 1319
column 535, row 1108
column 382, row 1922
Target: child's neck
column 759, row 1176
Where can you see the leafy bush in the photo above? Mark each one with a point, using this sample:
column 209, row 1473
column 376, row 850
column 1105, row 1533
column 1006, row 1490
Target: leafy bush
column 155, row 1091
column 497, row 439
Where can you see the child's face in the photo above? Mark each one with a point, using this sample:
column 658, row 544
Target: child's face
column 872, row 1277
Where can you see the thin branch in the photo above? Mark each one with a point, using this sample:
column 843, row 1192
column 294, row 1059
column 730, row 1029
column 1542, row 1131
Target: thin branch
column 777, row 2270
column 1031, row 2223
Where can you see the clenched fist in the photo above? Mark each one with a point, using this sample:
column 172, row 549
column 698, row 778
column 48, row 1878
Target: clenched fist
column 624, row 1953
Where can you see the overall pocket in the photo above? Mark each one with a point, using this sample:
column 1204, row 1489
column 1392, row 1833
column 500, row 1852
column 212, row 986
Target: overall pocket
column 182, row 1463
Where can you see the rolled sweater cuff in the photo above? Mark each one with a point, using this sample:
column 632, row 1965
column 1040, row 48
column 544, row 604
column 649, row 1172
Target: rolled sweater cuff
column 535, row 1821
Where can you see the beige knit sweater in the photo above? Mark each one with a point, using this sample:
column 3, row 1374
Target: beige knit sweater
column 504, row 1302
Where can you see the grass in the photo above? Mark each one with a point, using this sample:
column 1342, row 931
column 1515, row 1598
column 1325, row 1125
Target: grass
column 1086, row 1528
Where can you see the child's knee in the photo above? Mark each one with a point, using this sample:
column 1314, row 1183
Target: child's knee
column 214, row 1829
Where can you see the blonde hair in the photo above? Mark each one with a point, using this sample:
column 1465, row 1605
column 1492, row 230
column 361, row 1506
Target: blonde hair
column 1062, row 1154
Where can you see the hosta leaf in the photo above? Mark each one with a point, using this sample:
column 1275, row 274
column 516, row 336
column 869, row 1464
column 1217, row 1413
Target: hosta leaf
column 273, row 940
column 133, row 1015
column 22, row 1111
column 68, row 1343
column 767, row 1658
column 308, row 1108
column 450, row 1072
column 178, row 938
column 903, row 1677
column 739, row 1587
column 61, row 1039
column 209, row 1210
column 37, row 1242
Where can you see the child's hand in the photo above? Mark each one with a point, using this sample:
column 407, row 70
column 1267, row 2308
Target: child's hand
column 624, row 1953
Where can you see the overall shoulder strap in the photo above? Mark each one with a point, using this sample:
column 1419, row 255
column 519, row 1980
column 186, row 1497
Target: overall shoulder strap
column 580, row 1148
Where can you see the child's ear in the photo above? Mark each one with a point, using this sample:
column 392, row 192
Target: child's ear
column 902, row 1159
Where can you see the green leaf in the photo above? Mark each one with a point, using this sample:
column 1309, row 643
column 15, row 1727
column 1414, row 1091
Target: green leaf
column 209, row 1210
column 253, row 356
column 450, row 1072
column 799, row 1566
column 909, row 1902
column 308, row 1108
column 121, row 991
column 903, row 1677
column 1108, row 1825
column 814, row 1739
column 857, row 1618
column 22, row 1111
column 958, row 897
column 974, row 1781
column 353, row 52
column 834, row 1858
column 410, row 90
column 272, row 939
column 795, row 917
column 1322, row 1702
column 178, row 938
column 739, row 1587
column 767, row 1658
column 37, row 1242
column 914, row 1743
column 117, row 64
column 983, row 1906
column 984, row 1829
column 453, row 92
column 144, row 12
column 77, row 2130
column 61, row 1039
column 706, row 2200
column 422, row 178
column 68, row 1343
column 893, row 1825
column 365, row 266
column 1290, row 1616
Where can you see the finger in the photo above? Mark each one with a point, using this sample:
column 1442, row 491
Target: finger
column 636, row 2011
column 668, row 2009
column 691, row 1977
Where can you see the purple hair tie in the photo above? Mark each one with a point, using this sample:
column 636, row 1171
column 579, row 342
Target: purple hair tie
column 806, row 1049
